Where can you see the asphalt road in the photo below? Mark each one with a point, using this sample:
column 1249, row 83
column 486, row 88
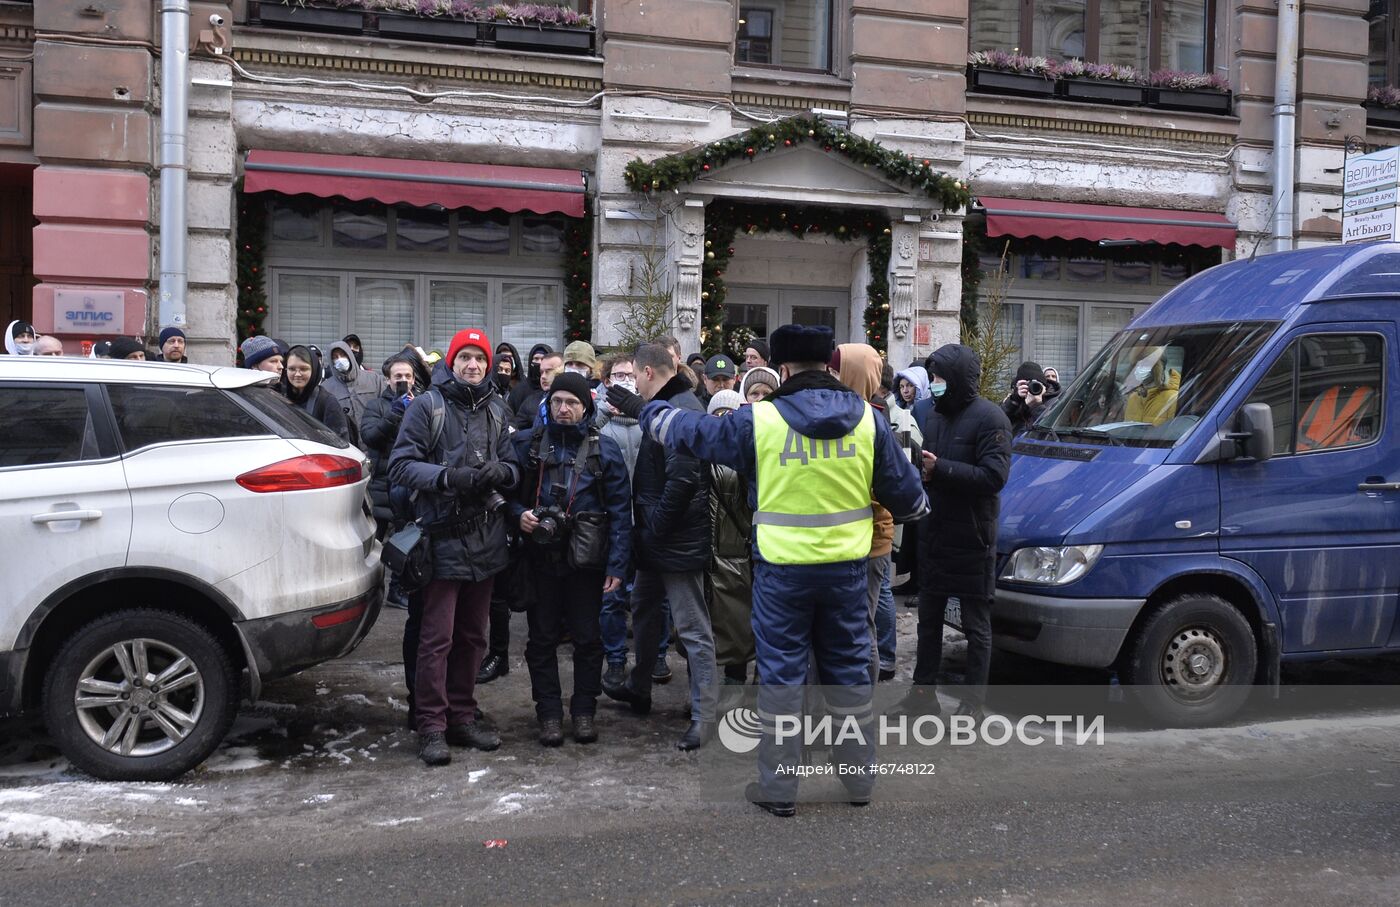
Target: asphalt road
column 318, row 797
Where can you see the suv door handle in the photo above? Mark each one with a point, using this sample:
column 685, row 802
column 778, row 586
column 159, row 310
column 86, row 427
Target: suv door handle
column 1378, row 486
column 66, row 516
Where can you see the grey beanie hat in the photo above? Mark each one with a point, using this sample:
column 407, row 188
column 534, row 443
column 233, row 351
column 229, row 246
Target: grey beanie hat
column 257, row 348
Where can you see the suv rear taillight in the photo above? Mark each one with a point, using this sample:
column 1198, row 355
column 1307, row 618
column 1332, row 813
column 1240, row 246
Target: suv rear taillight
column 303, row 474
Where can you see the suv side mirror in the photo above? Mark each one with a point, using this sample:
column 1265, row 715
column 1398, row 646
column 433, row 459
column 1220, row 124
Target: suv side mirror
column 1254, row 432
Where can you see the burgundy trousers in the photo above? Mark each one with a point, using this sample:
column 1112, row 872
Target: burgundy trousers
column 451, row 646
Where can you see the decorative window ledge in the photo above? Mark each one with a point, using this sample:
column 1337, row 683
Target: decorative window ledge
column 1098, row 91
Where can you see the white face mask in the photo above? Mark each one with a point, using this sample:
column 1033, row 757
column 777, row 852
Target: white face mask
column 579, row 370
column 627, row 384
column 24, row 349
column 1142, row 373
column 341, row 365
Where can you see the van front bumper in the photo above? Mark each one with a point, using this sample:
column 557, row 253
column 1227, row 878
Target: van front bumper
column 1073, row 631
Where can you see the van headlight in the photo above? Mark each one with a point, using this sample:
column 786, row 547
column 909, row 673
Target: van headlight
column 1051, row 566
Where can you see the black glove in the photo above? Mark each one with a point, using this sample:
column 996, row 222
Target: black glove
column 462, row 479
column 493, row 475
column 626, row 402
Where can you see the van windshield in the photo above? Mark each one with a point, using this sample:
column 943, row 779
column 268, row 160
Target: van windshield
column 1150, row 386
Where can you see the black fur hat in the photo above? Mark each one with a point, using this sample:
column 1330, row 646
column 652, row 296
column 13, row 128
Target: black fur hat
column 801, row 343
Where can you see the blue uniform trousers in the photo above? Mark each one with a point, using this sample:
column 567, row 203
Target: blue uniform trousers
column 816, row 611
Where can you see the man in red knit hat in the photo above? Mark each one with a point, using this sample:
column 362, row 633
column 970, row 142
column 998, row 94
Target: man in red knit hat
column 454, row 450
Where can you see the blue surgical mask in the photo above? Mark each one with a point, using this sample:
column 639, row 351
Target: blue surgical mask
column 938, row 388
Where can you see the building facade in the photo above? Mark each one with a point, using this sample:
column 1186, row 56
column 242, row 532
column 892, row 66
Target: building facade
column 396, row 175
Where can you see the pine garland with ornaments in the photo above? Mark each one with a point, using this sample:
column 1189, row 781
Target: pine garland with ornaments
column 677, row 170
column 252, row 250
column 578, row 273
column 725, row 220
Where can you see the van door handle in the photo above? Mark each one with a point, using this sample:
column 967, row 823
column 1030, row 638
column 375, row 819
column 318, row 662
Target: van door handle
column 1374, row 484
column 66, row 516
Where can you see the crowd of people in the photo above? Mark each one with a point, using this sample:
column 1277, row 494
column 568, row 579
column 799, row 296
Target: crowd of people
column 750, row 513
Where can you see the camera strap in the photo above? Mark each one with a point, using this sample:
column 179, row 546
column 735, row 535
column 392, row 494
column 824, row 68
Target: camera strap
column 584, row 454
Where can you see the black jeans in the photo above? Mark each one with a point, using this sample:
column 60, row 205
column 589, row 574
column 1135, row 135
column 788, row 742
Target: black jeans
column 498, row 642
column 571, row 602
column 976, row 626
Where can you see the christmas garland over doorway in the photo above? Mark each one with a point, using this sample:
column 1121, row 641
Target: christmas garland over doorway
column 725, row 220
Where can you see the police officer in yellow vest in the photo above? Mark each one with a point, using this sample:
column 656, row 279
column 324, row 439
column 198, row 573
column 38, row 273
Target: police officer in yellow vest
column 812, row 453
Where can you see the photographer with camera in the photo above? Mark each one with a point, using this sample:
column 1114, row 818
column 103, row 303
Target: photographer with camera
column 574, row 512
column 1028, row 398
column 454, row 453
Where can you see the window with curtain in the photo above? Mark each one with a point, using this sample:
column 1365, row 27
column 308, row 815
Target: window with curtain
column 1381, row 53
column 454, row 305
column 1056, row 339
column 1104, row 322
column 382, row 315
column 1010, row 330
column 531, row 313
column 308, row 309
column 1148, row 34
column 791, row 34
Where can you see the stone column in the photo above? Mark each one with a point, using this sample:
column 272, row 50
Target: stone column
column 94, row 139
column 685, row 245
column 212, row 293
column 939, row 320
column 904, row 266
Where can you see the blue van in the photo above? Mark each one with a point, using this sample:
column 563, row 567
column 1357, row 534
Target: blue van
column 1219, row 490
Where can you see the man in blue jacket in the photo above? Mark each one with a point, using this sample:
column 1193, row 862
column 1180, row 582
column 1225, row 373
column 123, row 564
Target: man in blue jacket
column 812, row 454
column 574, row 483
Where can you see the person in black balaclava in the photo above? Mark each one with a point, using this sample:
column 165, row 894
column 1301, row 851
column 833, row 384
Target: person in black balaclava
column 525, row 398
column 357, row 349
column 506, row 372
column 532, row 376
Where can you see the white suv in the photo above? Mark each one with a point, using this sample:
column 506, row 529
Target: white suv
column 166, row 528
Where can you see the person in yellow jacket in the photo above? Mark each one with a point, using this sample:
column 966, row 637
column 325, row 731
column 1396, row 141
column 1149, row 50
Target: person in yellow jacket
column 1154, row 391
column 814, row 454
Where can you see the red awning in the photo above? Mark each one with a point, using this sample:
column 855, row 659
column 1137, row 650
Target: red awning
column 1063, row 220
column 422, row 184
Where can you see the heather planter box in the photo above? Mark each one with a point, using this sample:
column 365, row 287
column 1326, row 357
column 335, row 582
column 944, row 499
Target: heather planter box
column 995, row 81
column 1192, row 99
column 545, row 38
column 1102, row 91
column 1382, row 117
column 422, row 28
column 309, row 18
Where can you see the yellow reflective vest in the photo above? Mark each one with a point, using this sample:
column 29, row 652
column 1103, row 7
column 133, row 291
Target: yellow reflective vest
column 813, row 494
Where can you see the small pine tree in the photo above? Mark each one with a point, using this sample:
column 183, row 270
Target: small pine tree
column 984, row 334
column 647, row 312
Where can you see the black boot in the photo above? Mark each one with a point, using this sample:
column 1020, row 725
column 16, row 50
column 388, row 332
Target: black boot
column 494, row 666
column 640, row 704
column 783, row 809
column 694, row 737
column 584, row 732
column 432, row 749
column 473, row 734
column 551, row 731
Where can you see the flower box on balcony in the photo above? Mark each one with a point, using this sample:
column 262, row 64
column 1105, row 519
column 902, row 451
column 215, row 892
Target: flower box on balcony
column 996, row 81
column 308, row 18
column 1382, row 117
column 427, row 28
column 1197, row 100
column 546, row 38
column 1102, row 91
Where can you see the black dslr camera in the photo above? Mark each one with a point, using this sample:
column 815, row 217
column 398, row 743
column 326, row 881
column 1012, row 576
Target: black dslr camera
column 1035, row 388
column 554, row 522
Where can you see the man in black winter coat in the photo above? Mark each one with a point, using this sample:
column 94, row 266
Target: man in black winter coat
column 525, row 397
column 671, row 509
column 459, row 461
column 966, row 457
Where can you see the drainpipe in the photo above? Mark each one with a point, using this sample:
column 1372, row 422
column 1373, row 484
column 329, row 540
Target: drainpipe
column 1285, row 116
column 174, row 123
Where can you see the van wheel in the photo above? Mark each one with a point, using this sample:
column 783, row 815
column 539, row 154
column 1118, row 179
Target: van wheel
column 1192, row 663
column 140, row 695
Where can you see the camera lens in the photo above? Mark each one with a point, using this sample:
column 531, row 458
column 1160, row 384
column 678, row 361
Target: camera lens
column 1036, row 388
column 494, row 502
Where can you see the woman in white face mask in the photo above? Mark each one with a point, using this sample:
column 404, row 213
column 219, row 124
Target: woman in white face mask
column 19, row 338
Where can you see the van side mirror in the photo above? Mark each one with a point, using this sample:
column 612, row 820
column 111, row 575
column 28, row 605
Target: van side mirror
column 1254, row 432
